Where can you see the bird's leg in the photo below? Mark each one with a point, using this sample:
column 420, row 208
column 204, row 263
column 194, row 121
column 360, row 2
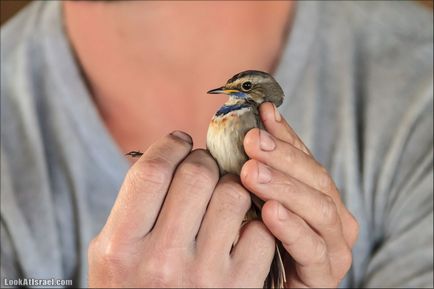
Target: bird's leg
column 134, row 154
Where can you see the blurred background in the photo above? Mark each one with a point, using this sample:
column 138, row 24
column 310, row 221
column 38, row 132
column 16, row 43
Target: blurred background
column 10, row 7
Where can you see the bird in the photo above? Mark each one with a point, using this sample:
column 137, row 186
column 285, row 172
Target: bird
column 246, row 90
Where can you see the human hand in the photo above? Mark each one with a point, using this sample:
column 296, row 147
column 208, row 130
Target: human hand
column 174, row 224
column 302, row 207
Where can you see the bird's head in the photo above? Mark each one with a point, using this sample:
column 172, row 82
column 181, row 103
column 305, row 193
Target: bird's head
column 252, row 85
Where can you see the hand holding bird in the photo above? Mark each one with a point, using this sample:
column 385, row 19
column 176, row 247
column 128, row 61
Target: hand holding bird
column 292, row 193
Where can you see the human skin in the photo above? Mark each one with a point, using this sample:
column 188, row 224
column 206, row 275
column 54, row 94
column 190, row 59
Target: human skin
column 144, row 81
column 174, row 223
column 303, row 208
column 150, row 63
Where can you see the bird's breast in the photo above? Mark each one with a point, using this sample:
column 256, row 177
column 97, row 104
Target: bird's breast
column 225, row 138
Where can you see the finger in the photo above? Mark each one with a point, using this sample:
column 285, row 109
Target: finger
column 306, row 247
column 222, row 222
column 145, row 186
column 282, row 156
column 316, row 208
column 276, row 125
column 187, row 199
column 254, row 252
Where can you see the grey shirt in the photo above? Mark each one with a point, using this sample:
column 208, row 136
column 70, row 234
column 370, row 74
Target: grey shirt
column 359, row 83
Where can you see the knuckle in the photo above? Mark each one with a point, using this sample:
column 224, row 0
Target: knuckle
column 199, row 167
column 289, row 187
column 265, row 239
column 298, row 234
column 108, row 253
column 159, row 270
column 234, row 196
column 342, row 264
column 206, row 158
column 150, row 172
column 92, row 249
column 354, row 224
column 325, row 182
column 353, row 228
column 298, row 144
column 328, row 211
column 195, row 172
column 320, row 250
column 203, row 278
column 111, row 254
column 291, row 155
column 347, row 260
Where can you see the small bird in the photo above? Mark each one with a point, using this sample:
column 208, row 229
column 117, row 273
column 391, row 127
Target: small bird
column 225, row 136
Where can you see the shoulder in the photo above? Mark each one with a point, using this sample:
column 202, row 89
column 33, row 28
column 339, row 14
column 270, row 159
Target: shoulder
column 21, row 59
column 23, row 30
column 22, row 56
column 24, row 91
column 25, row 65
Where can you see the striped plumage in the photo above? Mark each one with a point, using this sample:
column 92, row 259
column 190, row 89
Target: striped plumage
column 246, row 90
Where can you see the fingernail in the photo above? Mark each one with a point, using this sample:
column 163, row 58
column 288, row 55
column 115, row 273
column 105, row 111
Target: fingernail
column 183, row 136
column 266, row 143
column 277, row 116
column 282, row 212
column 264, row 174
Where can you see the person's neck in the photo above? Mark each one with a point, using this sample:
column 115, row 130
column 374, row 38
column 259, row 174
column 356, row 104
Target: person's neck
column 149, row 64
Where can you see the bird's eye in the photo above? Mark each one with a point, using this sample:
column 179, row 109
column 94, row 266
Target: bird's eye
column 246, row 86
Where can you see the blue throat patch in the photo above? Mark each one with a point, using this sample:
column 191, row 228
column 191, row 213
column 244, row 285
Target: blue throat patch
column 225, row 109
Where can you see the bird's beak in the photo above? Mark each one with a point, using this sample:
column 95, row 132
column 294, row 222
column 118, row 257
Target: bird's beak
column 222, row 90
